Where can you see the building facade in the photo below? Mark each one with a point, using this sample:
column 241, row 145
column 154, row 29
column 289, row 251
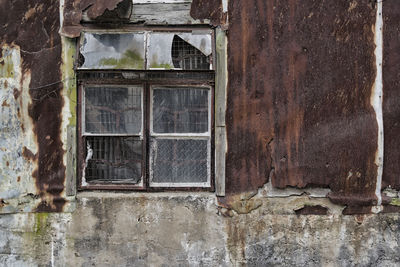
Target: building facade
column 253, row 133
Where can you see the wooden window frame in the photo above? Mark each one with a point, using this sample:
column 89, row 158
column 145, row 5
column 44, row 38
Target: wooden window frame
column 116, row 77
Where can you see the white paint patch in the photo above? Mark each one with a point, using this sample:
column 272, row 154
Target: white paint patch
column 376, row 98
column 225, row 6
column 377, row 209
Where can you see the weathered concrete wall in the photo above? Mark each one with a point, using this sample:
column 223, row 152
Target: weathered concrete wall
column 182, row 230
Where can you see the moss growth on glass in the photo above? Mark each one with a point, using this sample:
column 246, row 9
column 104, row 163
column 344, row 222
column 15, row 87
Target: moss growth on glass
column 161, row 66
column 130, row 60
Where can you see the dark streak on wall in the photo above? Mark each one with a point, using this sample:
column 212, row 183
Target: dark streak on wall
column 300, row 80
column 312, row 210
column 391, row 93
column 33, row 26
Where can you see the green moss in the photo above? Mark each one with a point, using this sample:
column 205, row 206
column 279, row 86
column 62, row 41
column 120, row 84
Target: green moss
column 395, row 202
column 130, row 60
column 6, row 68
column 68, row 76
column 161, row 66
column 41, row 223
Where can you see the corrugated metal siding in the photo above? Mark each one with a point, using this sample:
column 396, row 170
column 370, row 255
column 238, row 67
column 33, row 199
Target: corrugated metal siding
column 391, row 89
column 300, row 80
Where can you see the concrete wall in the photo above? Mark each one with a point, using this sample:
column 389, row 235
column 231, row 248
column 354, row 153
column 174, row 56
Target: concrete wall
column 181, row 230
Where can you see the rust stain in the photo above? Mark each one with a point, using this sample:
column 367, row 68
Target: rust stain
column 312, row 210
column 73, row 10
column 391, row 97
column 299, row 97
column 16, row 93
column 206, row 9
column 28, row 154
column 7, row 163
column 34, row 28
column 19, row 179
column 5, row 104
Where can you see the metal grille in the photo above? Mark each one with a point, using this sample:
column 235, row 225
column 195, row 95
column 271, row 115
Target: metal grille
column 179, row 161
column 113, row 159
column 180, row 110
column 188, row 57
column 113, row 110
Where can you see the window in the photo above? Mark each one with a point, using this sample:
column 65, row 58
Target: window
column 145, row 109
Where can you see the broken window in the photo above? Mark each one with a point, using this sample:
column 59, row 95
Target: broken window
column 112, row 51
column 141, row 125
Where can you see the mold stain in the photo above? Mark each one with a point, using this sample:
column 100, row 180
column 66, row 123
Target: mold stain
column 6, row 64
column 395, row 202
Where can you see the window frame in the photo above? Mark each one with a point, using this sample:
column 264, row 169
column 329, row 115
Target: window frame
column 147, row 91
column 180, row 136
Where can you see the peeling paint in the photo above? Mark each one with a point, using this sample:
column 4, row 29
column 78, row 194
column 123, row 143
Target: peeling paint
column 37, row 90
column 73, row 10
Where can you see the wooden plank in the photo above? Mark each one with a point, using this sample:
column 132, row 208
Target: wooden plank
column 221, row 77
column 220, row 108
column 70, row 185
column 220, row 155
column 174, row 13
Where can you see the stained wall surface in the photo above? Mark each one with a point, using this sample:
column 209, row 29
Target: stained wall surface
column 309, row 180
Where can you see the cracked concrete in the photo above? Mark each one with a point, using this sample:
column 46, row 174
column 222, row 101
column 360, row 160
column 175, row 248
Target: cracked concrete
column 179, row 230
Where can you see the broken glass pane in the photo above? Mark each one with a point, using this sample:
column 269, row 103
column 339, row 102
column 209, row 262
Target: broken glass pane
column 180, row 110
column 185, row 51
column 179, row 160
column 113, row 159
column 113, row 110
column 112, row 51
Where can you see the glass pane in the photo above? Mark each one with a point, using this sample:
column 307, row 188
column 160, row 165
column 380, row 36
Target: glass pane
column 112, row 51
column 113, row 159
column 113, row 110
column 179, row 160
column 185, row 51
column 180, row 110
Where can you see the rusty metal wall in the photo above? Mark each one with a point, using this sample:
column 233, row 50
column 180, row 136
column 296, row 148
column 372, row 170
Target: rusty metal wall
column 299, row 112
column 32, row 27
column 391, row 88
column 205, row 9
column 73, row 11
